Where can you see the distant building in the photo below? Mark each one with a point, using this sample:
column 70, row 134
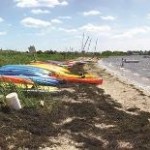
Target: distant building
column 32, row 49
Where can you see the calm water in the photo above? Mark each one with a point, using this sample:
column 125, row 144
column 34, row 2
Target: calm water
column 135, row 73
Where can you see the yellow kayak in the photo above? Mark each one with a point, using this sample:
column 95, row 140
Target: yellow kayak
column 50, row 67
column 6, row 85
column 48, row 88
column 75, row 76
column 43, row 89
column 39, row 88
column 29, row 87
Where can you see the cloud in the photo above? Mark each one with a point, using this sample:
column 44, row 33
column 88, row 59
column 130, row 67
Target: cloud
column 64, row 3
column 91, row 13
column 94, row 28
column 148, row 16
column 110, row 18
column 133, row 32
column 65, row 17
column 3, row 33
column 39, row 3
column 57, row 21
column 67, row 30
column 39, row 11
column 35, row 23
column 1, row 19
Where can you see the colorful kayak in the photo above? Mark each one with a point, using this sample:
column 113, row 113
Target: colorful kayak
column 48, row 81
column 37, row 75
column 23, row 70
column 50, row 67
column 96, row 81
column 14, row 79
column 74, row 75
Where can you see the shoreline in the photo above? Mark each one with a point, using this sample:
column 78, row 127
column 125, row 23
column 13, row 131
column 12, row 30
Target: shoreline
column 122, row 76
column 127, row 94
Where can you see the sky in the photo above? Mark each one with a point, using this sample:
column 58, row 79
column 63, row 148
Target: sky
column 61, row 24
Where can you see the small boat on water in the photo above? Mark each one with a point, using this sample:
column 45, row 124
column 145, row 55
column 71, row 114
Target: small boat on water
column 130, row 61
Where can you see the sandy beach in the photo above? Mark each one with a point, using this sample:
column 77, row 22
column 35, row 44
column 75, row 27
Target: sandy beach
column 131, row 100
column 129, row 96
column 114, row 115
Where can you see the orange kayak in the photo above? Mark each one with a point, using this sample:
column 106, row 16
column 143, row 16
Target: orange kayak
column 88, row 80
column 13, row 79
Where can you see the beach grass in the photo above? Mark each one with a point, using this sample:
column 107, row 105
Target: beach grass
column 16, row 57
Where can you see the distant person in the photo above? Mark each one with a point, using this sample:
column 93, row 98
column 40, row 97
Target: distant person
column 122, row 62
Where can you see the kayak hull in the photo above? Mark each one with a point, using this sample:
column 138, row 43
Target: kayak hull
column 14, row 79
column 86, row 80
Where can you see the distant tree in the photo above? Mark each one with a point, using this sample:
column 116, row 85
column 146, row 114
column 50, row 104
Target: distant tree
column 106, row 53
column 39, row 52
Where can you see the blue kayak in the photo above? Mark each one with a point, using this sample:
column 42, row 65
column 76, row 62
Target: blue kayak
column 37, row 69
column 21, row 73
column 23, row 70
column 44, row 81
column 47, row 81
column 37, row 75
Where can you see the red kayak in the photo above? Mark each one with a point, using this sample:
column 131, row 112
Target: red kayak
column 13, row 79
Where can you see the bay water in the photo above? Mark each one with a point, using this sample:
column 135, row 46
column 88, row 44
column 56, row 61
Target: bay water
column 137, row 73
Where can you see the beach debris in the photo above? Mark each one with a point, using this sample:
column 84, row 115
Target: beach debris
column 42, row 103
column 12, row 101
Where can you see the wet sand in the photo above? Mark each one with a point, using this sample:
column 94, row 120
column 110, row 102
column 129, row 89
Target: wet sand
column 82, row 116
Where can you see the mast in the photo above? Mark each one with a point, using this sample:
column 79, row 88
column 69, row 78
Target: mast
column 82, row 42
column 96, row 45
column 89, row 44
column 85, row 44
